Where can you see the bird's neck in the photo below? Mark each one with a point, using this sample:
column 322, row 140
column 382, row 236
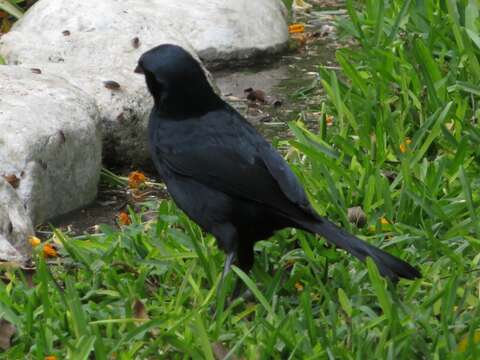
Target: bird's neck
column 188, row 107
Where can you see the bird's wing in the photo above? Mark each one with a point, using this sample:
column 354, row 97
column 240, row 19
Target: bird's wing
column 242, row 164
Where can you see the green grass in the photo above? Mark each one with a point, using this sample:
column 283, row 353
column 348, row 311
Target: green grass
column 413, row 74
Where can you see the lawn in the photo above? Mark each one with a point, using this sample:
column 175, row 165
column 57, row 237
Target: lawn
column 398, row 136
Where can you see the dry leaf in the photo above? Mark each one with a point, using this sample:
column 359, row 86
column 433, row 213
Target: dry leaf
column 298, row 286
column 7, row 330
column 135, row 42
column 220, row 351
column 301, row 39
column 139, row 311
column 29, row 274
column 329, row 120
column 300, row 6
column 390, row 175
column 111, row 85
column 12, row 179
column 255, row 95
column 357, row 216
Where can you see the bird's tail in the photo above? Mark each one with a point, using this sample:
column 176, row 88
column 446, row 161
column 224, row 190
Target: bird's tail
column 388, row 265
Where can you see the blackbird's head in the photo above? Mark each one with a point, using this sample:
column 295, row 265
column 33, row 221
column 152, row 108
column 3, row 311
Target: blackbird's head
column 177, row 82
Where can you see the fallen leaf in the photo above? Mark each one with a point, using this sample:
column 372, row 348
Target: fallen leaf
column 300, row 38
column 7, row 330
column 298, row 286
column 6, row 25
column 139, row 311
column 390, row 175
column 12, row 179
column 50, row 357
column 329, row 120
column 357, row 216
column 29, row 274
column 255, row 95
column 220, row 351
column 135, row 42
column 111, row 85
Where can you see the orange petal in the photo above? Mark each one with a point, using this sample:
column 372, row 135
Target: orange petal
column 136, row 178
column 49, row 251
column 124, row 218
column 296, row 28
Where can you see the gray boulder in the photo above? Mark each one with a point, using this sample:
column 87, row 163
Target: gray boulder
column 50, row 142
column 90, row 45
column 15, row 226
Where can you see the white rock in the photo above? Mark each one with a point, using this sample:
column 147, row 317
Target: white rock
column 90, row 42
column 89, row 59
column 217, row 29
column 50, row 141
column 15, row 226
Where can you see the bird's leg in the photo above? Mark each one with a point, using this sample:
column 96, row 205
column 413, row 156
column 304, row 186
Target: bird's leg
column 227, row 266
column 226, row 269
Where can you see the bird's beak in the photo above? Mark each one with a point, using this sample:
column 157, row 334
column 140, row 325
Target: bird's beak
column 139, row 70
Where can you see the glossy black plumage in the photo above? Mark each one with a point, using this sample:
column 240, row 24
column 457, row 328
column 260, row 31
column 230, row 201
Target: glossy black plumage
column 223, row 174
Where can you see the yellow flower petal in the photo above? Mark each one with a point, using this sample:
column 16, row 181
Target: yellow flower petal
column 463, row 344
column 34, row 241
column 404, row 145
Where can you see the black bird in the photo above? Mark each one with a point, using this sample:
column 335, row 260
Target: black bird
column 223, row 174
